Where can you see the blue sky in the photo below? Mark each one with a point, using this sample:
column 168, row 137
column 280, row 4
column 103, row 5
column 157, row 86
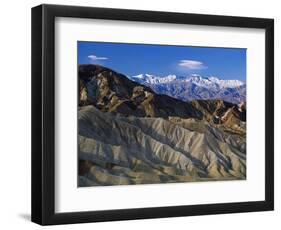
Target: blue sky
column 133, row 59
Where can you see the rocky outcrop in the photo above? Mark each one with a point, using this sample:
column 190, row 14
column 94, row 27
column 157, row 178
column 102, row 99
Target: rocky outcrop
column 113, row 92
column 132, row 150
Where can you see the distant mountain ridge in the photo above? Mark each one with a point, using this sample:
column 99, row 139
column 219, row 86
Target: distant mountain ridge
column 152, row 79
column 194, row 87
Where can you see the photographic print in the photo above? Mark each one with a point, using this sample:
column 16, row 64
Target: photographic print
column 152, row 114
column 133, row 103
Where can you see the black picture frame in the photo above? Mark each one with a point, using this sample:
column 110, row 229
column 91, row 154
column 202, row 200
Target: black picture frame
column 43, row 110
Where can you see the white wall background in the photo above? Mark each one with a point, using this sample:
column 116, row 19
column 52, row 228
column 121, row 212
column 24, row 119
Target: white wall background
column 15, row 113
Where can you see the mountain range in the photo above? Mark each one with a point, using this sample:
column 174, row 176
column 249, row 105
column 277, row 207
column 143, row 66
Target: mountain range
column 130, row 134
column 194, row 87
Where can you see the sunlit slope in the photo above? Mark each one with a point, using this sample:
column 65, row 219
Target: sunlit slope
column 116, row 149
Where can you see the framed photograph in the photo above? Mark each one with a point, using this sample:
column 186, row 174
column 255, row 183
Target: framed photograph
column 142, row 114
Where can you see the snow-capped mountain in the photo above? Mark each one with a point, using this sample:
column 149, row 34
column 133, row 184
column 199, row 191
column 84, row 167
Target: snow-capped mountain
column 195, row 87
column 213, row 81
column 151, row 79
